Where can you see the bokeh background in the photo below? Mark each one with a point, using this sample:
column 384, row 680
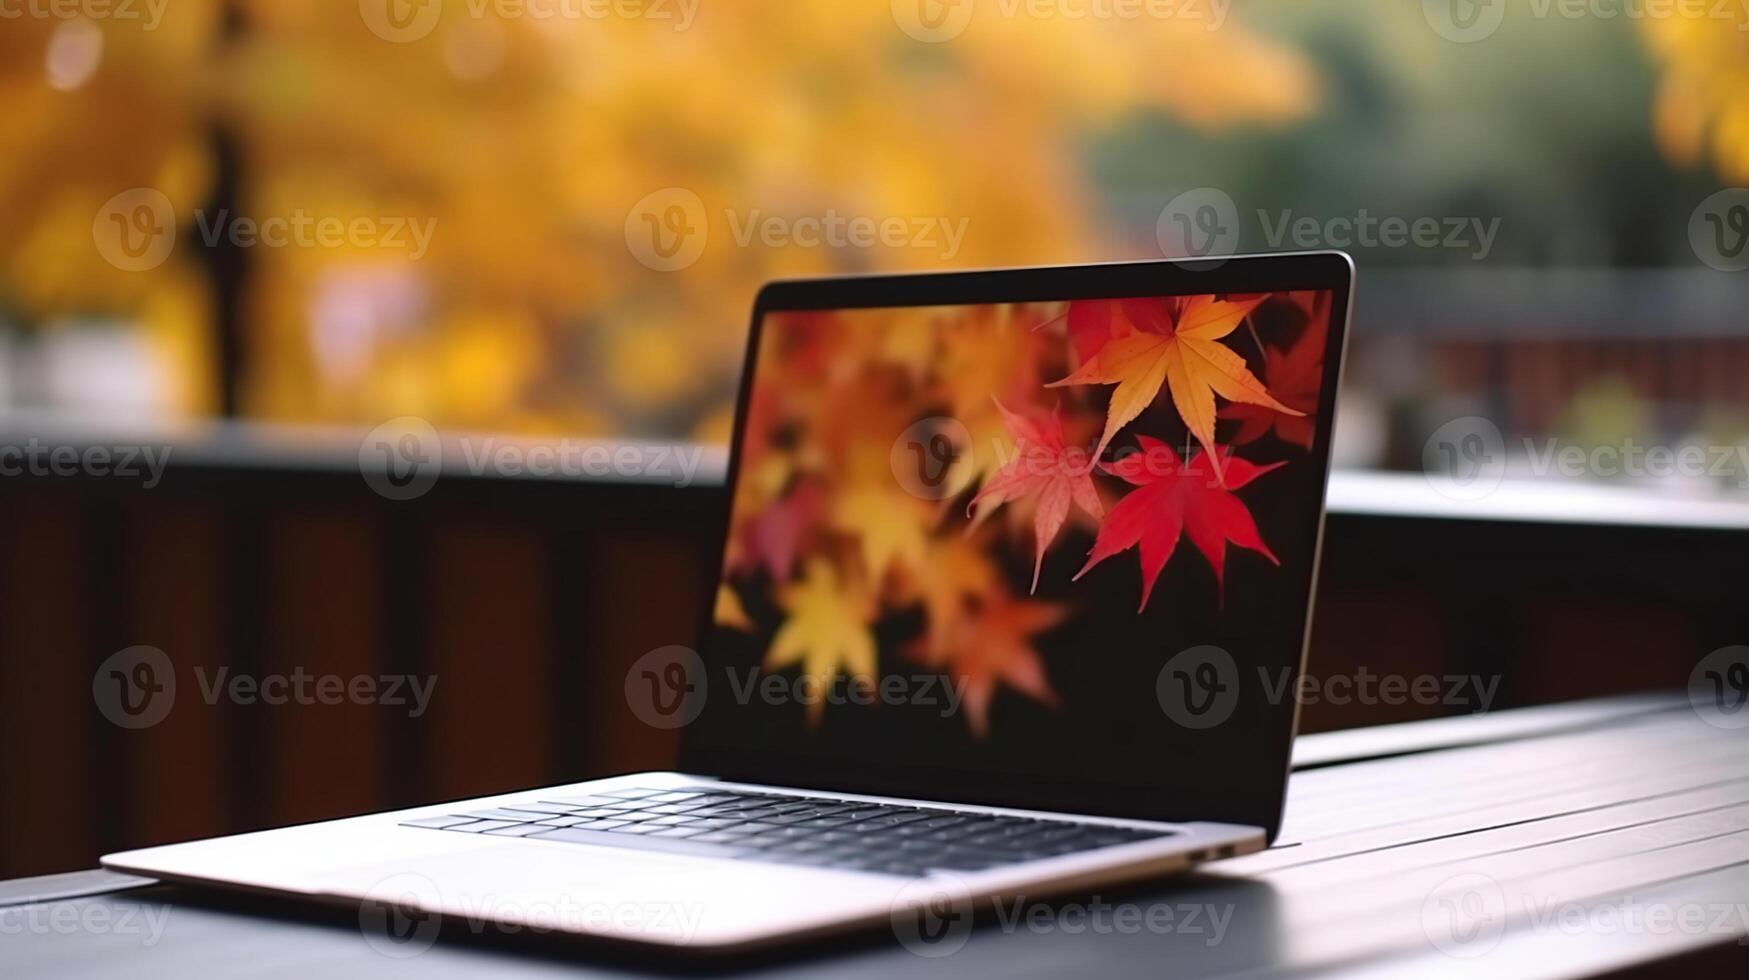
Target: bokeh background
column 529, row 142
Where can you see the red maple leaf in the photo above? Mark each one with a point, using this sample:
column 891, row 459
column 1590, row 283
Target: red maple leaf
column 1043, row 466
column 1092, row 322
column 1295, row 376
column 1174, row 498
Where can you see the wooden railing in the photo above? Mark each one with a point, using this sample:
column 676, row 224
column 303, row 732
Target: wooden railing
column 527, row 601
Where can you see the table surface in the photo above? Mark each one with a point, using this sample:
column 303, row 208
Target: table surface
column 1575, row 840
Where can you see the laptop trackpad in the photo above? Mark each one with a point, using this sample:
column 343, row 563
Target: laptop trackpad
column 593, row 890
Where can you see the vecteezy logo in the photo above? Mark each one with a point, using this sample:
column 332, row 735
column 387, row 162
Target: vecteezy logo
column 135, row 688
column 135, row 230
column 400, row 21
column 1718, row 689
column 1465, row 459
column 932, row 916
column 1464, row 21
column 1465, row 916
column 1199, row 688
column 1199, row 224
column 667, row 229
column 398, row 916
column 925, row 458
column 666, row 687
column 933, row 21
column 402, row 458
column 1718, row 230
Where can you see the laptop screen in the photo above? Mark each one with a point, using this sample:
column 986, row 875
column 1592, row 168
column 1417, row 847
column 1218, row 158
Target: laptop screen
column 1051, row 554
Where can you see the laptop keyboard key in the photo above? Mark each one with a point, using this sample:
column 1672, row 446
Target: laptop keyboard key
column 720, row 837
column 716, row 810
column 670, row 845
column 793, row 817
column 537, row 810
column 709, row 823
column 519, row 830
column 586, row 801
column 886, row 820
column 485, row 826
column 500, row 813
column 820, row 823
column 939, row 823
column 439, row 823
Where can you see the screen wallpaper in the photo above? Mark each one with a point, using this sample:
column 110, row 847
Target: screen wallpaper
column 971, row 537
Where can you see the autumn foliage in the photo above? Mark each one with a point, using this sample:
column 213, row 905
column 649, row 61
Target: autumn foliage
column 529, row 140
column 919, row 466
column 1701, row 107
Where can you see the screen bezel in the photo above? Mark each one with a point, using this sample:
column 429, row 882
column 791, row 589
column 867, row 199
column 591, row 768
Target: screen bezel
column 1333, row 271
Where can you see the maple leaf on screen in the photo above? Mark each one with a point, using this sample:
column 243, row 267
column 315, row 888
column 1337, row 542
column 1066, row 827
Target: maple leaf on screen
column 957, row 573
column 1090, row 323
column 729, row 611
column 1295, row 376
column 1176, row 344
column 890, row 526
column 991, row 645
column 1045, row 468
column 773, row 537
column 827, row 632
column 1315, row 304
column 1174, row 498
column 987, row 352
column 910, row 341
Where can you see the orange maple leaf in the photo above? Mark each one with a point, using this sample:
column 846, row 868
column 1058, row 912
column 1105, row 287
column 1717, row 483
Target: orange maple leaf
column 958, row 573
column 1043, row 466
column 1177, row 345
column 993, row 645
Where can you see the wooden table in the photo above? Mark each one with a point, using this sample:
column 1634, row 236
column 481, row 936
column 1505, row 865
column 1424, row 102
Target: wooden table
column 1607, row 837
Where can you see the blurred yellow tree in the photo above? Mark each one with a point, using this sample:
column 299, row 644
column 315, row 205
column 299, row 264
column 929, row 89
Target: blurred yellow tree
column 1702, row 103
column 531, row 140
column 92, row 109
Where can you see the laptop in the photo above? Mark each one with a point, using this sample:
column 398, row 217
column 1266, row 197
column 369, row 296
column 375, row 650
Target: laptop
column 1015, row 591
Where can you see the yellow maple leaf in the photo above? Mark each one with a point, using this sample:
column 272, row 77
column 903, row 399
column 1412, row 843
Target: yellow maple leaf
column 889, row 525
column 729, row 611
column 827, row 633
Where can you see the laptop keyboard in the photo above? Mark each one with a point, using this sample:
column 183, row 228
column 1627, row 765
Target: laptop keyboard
column 708, row 822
